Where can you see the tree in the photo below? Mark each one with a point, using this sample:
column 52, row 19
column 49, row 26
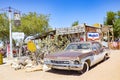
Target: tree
column 32, row 23
column 118, row 13
column 113, row 18
column 75, row 23
column 110, row 18
column 117, row 28
column 4, row 27
column 116, row 25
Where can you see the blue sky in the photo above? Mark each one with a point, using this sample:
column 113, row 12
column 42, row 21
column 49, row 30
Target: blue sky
column 65, row 12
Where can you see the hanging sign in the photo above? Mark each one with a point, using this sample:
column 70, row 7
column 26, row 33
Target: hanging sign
column 17, row 19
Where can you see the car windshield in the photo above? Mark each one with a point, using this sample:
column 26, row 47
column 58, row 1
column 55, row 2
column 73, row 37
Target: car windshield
column 78, row 46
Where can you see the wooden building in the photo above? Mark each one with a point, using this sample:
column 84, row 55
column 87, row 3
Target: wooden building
column 81, row 33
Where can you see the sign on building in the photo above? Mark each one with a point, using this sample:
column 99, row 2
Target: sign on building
column 93, row 36
column 71, row 30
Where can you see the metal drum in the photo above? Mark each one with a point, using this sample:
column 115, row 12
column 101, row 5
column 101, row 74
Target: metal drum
column 1, row 59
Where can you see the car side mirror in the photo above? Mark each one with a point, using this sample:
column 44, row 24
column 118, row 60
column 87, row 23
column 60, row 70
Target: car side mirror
column 94, row 49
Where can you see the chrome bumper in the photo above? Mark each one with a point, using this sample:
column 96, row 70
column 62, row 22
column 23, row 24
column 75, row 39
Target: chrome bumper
column 66, row 66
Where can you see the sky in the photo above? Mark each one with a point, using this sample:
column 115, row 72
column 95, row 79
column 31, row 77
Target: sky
column 64, row 12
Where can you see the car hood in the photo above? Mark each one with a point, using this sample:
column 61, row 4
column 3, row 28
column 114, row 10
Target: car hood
column 70, row 54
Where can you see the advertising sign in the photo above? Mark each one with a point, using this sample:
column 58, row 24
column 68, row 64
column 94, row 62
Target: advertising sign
column 93, row 36
column 71, row 30
column 18, row 35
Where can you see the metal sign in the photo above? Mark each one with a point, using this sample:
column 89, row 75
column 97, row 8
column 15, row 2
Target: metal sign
column 93, row 36
column 31, row 46
column 17, row 19
column 18, row 35
column 71, row 30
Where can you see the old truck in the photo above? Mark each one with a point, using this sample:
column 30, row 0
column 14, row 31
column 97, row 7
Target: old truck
column 78, row 56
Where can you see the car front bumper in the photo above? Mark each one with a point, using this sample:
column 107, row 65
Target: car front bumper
column 77, row 67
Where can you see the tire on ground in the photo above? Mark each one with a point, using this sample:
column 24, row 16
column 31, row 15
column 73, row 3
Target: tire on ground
column 85, row 68
column 105, row 57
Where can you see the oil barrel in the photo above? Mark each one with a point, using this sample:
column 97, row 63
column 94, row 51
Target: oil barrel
column 1, row 59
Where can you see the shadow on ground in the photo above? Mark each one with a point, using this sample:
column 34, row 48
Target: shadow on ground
column 98, row 64
column 64, row 72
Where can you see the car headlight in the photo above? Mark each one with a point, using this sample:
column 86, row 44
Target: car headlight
column 76, row 62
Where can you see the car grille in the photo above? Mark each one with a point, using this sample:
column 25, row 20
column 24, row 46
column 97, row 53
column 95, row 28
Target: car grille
column 59, row 62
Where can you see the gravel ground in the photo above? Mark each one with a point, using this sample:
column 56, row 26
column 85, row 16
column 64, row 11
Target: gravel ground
column 107, row 70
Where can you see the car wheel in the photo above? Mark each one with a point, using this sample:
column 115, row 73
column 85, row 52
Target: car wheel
column 106, row 57
column 85, row 68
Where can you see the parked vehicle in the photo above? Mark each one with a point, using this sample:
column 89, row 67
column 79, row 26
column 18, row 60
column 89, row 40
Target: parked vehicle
column 78, row 56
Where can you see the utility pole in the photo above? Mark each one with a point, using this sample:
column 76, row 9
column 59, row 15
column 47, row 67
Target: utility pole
column 10, row 11
column 10, row 31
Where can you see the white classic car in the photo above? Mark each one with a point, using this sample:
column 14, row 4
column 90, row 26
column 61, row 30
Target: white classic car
column 78, row 56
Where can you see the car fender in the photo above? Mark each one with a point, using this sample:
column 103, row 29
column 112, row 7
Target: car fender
column 87, row 58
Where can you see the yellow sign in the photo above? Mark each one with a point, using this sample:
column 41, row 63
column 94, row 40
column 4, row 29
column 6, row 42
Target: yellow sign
column 96, row 25
column 31, row 46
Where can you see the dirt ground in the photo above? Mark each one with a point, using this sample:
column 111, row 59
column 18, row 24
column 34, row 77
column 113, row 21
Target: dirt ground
column 107, row 70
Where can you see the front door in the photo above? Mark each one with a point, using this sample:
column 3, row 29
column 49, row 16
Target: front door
column 96, row 53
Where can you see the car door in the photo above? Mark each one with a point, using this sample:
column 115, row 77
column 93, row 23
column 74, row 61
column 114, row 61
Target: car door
column 96, row 53
column 101, row 51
